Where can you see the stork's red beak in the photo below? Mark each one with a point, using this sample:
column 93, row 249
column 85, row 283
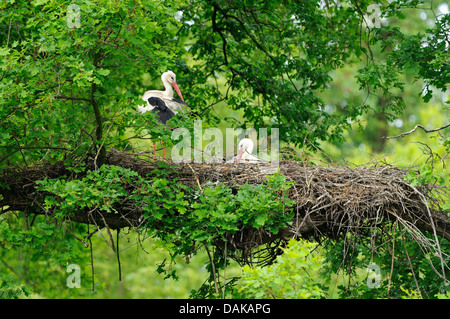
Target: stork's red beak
column 240, row 154
column 175, row 86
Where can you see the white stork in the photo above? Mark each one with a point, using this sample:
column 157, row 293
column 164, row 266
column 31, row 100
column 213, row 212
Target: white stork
column 162, row 102
column 244, row 155
column 169, row 79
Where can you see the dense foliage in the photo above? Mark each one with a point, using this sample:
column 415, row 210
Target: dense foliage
column 294, row 275
column 72, row 75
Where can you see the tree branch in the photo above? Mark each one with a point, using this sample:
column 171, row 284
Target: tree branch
column 98, row 118
column 74, row 98
column 219, row 31
column 4, row 157
column 244, row 28
column 416, row 127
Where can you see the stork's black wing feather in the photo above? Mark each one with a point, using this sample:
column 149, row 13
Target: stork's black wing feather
column 164, row 113
column 157, row 103
column 160, row 109
column 163, row 116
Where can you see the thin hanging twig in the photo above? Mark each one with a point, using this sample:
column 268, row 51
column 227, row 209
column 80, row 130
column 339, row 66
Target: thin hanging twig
column 224, row 269
column 411, row 267
column 92, row 261
column 213, row 267
column 392, row 258
column 117, row 253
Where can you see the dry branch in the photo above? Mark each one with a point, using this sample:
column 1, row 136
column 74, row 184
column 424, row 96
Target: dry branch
column 423, row 129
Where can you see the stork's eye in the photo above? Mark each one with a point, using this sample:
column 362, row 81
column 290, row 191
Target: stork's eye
column 172, row 78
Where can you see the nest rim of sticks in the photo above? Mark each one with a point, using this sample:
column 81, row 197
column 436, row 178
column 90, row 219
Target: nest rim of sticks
column 331, row 201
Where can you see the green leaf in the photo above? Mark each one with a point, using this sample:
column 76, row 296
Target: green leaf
column 39, row 2
column 103, row 72
column 4, row 51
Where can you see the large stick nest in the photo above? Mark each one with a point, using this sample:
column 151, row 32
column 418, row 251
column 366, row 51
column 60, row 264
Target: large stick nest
column 331, row 201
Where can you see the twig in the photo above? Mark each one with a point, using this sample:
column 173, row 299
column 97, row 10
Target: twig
column 99, row 151
column 213, row 267
column 20, row 148
column 74, row 98
column 92, row 261
column 195, row 175
column 411, row 267
column 76, row 237
column 9, row 32
column 106, row 226
column 117, row 253
column 432, row 223
column 393, row 257
column 415, row 128
column 224, row 269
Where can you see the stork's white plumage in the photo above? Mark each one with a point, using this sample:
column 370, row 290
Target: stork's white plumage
column 245, row 149
column 169, row 79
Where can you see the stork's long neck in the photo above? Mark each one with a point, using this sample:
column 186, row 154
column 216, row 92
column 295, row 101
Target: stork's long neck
column 245, row 153
column 249, row 149
column 168, row 92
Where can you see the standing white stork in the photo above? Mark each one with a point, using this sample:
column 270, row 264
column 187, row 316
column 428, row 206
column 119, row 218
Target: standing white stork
column 162, row 102
column 244, row 155
column 169, row 79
